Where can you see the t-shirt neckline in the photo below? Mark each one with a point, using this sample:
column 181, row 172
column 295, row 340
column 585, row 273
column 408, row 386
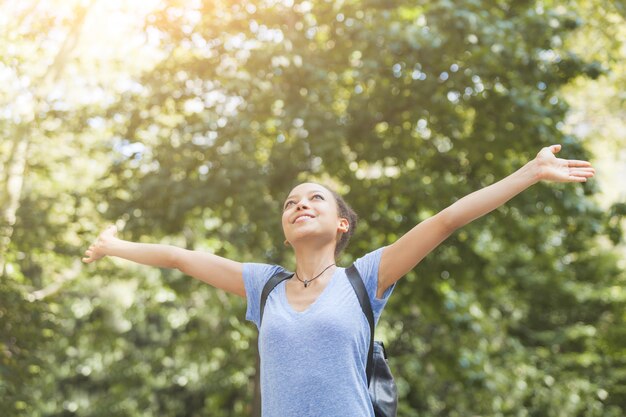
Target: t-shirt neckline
column 283, row 290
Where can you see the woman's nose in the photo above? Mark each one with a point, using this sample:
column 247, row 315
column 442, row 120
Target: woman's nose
column 301, row 204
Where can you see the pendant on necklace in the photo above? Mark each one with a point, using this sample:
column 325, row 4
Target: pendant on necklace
column 306, row 283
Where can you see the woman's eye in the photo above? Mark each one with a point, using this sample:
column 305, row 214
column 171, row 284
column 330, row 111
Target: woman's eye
column 287, row 203
column 317, row 195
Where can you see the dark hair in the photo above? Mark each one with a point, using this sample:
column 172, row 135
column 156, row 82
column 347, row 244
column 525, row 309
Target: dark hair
column 345, row 211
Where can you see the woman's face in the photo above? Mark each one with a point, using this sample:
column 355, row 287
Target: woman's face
column 311, row 209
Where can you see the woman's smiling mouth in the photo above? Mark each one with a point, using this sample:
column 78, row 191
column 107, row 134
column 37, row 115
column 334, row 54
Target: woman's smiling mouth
column 303, row 218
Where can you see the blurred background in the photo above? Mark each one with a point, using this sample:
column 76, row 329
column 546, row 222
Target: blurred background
column 186, row 122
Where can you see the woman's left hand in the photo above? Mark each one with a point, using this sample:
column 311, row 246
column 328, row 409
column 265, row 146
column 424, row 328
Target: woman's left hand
column 551, row 168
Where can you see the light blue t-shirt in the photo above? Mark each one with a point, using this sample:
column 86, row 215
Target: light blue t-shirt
column 313, row 362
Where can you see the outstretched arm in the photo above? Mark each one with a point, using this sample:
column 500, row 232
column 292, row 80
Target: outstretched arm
column 405, row 253
column 215, row 270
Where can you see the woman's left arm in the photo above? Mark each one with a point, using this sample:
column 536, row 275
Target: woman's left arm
column 404, row 254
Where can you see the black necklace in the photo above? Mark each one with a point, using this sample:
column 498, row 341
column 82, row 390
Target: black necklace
column 306, row 282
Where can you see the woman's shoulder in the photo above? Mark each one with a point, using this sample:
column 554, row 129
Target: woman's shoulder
column 259, row 271
column 369, row 259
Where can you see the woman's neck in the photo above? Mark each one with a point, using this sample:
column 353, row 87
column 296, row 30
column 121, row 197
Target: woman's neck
column 311, row 260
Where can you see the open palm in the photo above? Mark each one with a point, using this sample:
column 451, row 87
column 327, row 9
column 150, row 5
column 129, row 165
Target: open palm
column 556, row 169
column 96, row 250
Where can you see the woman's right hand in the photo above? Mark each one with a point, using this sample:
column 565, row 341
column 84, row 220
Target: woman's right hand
column 97, row 249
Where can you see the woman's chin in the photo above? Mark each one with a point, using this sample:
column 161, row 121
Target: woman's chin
column 304, row 238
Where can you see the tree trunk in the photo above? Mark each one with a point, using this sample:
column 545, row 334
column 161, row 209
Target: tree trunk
column 11, row 193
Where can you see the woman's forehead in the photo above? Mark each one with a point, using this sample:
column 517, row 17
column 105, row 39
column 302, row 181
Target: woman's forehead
column 306, row 188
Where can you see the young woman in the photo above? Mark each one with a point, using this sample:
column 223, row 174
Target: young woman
column 314, row 339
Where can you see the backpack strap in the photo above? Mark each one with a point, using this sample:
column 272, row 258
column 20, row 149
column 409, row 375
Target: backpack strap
column 269, row 286
column 359, row 288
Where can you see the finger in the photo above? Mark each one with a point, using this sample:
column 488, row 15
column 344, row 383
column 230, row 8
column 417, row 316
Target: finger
column 578, row 163
column 86, row 260
column 555, row 148
column 582, row 172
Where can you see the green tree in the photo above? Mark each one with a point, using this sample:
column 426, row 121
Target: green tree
column 415, row 104
column 405, row 106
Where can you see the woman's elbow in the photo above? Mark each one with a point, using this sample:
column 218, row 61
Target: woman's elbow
column 176, row 258
column 448, row 221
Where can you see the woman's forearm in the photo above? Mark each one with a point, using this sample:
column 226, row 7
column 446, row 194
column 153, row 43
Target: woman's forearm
column 153, row 254
column 487, row 199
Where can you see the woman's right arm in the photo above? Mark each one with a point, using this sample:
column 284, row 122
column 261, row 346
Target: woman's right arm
column 215, row 270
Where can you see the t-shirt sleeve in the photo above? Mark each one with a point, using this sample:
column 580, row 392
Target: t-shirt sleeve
column 255, row 275
column 367, row 265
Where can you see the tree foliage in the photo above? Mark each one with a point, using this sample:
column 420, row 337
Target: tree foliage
column 405, row 107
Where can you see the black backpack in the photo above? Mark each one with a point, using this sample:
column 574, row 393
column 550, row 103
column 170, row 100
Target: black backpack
column 381, row 386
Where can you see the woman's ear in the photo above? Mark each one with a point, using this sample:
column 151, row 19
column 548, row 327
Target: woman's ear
column 344, row 225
